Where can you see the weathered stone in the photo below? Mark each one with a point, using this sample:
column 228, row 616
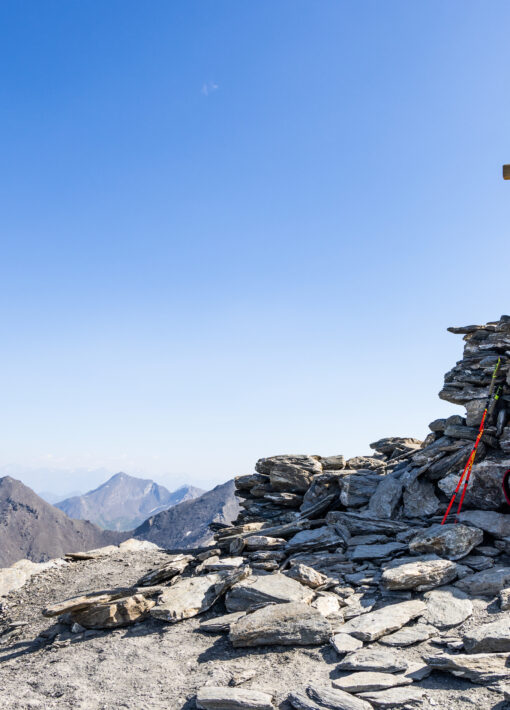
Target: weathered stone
column 504, row 440
column 389, row 444
column 292, row 624
column 373, row 659
column 483, row 668
column 300, row 701
column 447, row 606
column 478, row 563
column 487, row 583
column 357, row 488
column 408, row 697
column 386, row 498
column 489, row 638
column 409, row 635
column 287, row 500
column 306, row 575
column 120, row 612
column 420, row 499
column 452, row 541
column 266, row 589
column 322, row 537
column 364, row 523
column 374, row 552
column 333, row 462
column 328, row 604
column 421, row 575
column 345, row 643
column 82, row 601
column 291, row 478
column 371, row 626
column 219, row 624
column 358, row 603
column 193, row 595
column 504, row 599
column 484, row 491
column 496, row 524
column 336, row 699
column 263, row 542
column 224, row 698
column 365, row 681
column 308, row 463
column 15, row 576
column 217, row 564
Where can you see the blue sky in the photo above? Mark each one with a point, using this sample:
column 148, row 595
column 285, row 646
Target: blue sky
column 230, row 230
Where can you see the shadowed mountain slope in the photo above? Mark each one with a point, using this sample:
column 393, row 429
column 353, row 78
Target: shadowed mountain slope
column 31, row 528
column 186, row 525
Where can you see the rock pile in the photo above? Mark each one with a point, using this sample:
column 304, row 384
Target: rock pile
column 351, row 553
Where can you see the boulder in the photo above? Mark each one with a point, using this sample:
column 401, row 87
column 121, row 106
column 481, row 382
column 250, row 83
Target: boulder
column 483, row 668
column 487, row 583
column 386, row 498
column 308, row 463
column 374, row 624
column 447, row 607
column 489, row 638
column 258, row 590
column 291, row 624
column 424, row 574
column 224, row 698
column 409, row 635
column 306, row 575
column 497, row 524
column 484, row 491
column 333, row 462
column 193, row 595
column 345, row 643
column 108, row 615
column 357, row 488
column 420, row 499
column 452, row 541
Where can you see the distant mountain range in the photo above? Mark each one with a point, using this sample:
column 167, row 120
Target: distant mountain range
column 124, row 502
column 187, row 525
column 32, row 528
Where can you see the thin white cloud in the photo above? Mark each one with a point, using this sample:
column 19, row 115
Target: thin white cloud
column 209, row 88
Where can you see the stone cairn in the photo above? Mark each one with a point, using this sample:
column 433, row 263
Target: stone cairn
column 351, row 552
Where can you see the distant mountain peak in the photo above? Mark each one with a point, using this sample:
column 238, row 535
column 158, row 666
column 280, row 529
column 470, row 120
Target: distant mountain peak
column 123, row 501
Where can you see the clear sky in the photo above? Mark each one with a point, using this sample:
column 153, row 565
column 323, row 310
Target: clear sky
column 235, row 229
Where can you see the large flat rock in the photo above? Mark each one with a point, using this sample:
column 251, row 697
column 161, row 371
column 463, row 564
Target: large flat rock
column 369, row 680
column 393, row 698
column 447, row 606
column 110, row 615
column 483, row 668
column 487, row 583
column 371, row 626
column 211, row 698
column 373, row 659
column 291, row 624
column 489, row 638
column 336, row 699
column 266, row 589
column 451, row 541
column 422, row 575
column 496, row 524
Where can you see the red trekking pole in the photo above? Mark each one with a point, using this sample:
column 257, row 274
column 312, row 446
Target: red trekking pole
column 466, row 474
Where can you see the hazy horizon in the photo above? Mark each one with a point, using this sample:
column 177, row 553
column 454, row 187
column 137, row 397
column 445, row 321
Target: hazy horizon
column 232, row 230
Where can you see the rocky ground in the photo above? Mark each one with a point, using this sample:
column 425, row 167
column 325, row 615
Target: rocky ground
column 155, row 665
column 336, row 588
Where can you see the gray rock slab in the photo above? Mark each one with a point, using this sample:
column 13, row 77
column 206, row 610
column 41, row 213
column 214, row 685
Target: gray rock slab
column 172, row 568
column 489, row 638
column 420, row 499
column 365, row 523
column 371, row 626
column 504, row 599
column 374, row 552
column 487, row 583
column 483, row 668
column 345, row 643
column 220, row 624
column 300, row 701
column 356, row 488
column 386, row 497
column 306, row 575
column 373, row 659
column 447, row 607
column 409, row 635
column 266, row 589
column 497, row 524
column 323, row 537
column 422, row 575
column 224, row 698
column 193, row 595
column 336, row 699
column 407, row 697
column 452, row 541
column 366, row 680
column 292, row 624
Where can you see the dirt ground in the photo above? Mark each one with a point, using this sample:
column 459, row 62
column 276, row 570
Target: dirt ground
column 153, row 665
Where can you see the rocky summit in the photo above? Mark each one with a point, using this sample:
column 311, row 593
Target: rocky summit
column 336, row 586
